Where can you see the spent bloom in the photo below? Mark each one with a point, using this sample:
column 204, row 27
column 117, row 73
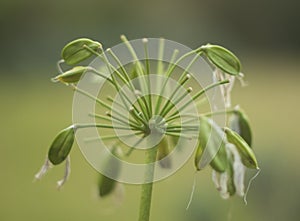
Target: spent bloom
column 130, row 107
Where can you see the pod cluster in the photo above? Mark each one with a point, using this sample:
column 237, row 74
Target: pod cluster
column 229, row 149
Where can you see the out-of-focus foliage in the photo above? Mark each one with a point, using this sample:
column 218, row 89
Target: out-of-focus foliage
column 32, row 32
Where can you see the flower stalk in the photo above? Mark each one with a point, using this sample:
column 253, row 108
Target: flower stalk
column 147, row 187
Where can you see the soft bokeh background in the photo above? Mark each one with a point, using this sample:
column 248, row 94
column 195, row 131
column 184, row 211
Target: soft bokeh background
column 264, row 34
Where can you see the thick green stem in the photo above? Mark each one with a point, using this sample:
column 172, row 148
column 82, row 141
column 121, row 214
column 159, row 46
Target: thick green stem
column 146, row 192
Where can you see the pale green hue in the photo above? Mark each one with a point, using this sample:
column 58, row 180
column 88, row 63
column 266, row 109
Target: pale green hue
column 246, row 153
column 164, row 151
column 210, row 137
column 71, row 76
column 105, row 184
column 239, row 122
column 222, row 58
column 75, row 51
column 141, row 112
column 146, row 192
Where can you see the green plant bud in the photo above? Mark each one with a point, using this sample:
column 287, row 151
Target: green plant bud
column 71, row 76
column 219, row 162
column 231, row 189
column 210, row 138
column 222, row 58
column 106, row 185
column 61, row 146
column 247, row 155
column 162, row 152
column 75, row 52
column 239, row 123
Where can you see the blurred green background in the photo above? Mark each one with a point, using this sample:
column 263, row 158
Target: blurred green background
column 264, row 34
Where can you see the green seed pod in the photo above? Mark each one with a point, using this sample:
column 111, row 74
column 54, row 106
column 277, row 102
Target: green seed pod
column 219, row 162
column 247, row 155
column 210, row 138
column 239, row 123
column 75, row 52
column 222, row 58
column 71, row 76
column 61, row 146
column 106, row 184
column 162, row 152
column 231, row 189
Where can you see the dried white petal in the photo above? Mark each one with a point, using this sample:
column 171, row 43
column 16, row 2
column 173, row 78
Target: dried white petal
column 223, row 185
column 225, row 88
column 220, row 182
column 61, row 182
column 239, row 175
column 238, row 170
column 46, row 166
column 192, row 193
column 249, row 184
column 215, row 179
column 240, row 77
column 119, row 194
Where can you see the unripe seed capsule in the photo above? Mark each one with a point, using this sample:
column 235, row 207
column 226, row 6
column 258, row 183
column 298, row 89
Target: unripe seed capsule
column 106, row 184
column 222, row 58
column 219, row 162
column 71, row 76
column 211, row 140
column 247, row 155
column 231, row 188
column 163, row 151
column 75, row 51
column 61, row 146
column 239, row 123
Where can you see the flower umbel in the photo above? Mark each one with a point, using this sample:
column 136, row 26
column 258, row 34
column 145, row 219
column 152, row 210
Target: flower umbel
column 152, row 110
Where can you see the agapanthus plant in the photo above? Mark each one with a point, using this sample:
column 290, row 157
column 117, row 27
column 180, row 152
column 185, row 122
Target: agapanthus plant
column 130, row 105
